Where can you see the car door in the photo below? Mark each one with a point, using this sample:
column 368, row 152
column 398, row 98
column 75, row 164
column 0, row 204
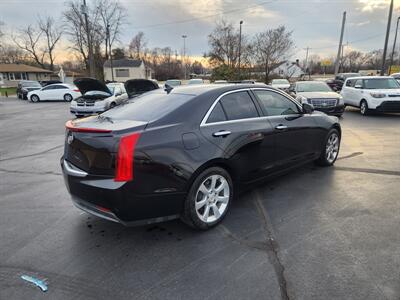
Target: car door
column 234, row 125
column 296, row 136
column 46, row 93
column 58, row 92
column 357, row 91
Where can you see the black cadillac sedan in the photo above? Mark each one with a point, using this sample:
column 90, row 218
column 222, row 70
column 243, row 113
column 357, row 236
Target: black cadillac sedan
column 186, row 152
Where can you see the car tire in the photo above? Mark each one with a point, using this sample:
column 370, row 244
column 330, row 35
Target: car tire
column 364, row 110
column 35, row 98
column 19, row 96
column 68, row 97
column 330, row 150
column 208, row 199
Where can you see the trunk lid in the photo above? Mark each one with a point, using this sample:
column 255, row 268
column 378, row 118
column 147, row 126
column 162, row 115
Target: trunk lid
column 91, row 144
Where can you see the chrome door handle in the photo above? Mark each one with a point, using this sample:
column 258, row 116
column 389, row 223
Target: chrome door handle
column 221, row 133
column 281, row 127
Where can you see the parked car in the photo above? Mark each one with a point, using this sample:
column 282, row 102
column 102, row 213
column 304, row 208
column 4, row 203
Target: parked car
column 220, row 81
column 97, row 97
column 186, row 153
column 136, row 87
column 282, row 84
column 171, row 83
column 320, row 95
column 48, row 82
column 372, row 93
column 337, row 83
column 65, row 92
column 25, row 86
column 396, row 76
column 196, row 81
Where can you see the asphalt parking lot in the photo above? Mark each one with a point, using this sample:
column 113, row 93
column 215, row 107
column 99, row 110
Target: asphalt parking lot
column 317, row 233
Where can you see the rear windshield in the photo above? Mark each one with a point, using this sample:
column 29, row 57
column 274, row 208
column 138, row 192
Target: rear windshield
column 148, row 107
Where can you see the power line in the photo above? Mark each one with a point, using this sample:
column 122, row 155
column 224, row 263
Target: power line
column 205, row 17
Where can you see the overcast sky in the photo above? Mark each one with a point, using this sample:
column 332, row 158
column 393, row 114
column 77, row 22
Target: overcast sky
column 315, row 23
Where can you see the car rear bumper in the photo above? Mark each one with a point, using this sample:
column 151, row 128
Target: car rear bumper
column 336, row 110
column 118, row 201
column 389, row 106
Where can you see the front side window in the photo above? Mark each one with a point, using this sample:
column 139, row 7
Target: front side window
column 358, row 83
column 47, row 88
column 238, row 106
column 275, row 104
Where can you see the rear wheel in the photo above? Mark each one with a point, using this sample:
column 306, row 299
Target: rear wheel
column 208, row 199
column 330, row 150
column 35, row 98
column 68, row 97
column 364, row 110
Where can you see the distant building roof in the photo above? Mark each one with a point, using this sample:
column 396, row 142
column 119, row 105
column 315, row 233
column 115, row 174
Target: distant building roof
column 12, row 68
column 120, row 63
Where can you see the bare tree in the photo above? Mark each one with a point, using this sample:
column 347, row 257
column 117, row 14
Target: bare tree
column 137, row 45
column 112, row 16
column 28, row 40
column 224, row 42
column 53, row 33
column 272, row 48
column 10, row 54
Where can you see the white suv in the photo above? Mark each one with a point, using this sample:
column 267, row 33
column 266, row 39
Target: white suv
column 372, row 93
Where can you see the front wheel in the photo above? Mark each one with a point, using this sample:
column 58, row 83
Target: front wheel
column 364, row 110
column 330, row 150
column 35, row 98
column 208, row 199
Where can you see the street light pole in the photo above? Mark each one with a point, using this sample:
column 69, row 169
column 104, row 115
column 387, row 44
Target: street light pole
column 184, row 53
column 387, row 39
column 89, row 40
column 240, row 45
column 394, row 45
column 340, row 44
column 109, row 52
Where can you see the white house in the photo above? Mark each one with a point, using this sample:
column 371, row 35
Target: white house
column 289, row 70
column 125, row 69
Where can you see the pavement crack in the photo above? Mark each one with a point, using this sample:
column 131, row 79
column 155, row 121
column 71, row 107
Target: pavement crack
column 29, row 172
column 370, row 171
column 354, row 154
column 250, row 244
column 32, row 154
column 273, row 248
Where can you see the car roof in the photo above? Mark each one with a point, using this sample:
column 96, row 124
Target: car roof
column 370, row 77
column 196, row 90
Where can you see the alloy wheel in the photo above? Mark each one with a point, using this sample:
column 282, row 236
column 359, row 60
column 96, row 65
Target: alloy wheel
column 332, row 148
column 212, row 198
column 363, row 108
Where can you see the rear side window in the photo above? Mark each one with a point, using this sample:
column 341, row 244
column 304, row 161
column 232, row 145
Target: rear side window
column 238, row 106
column 217, row 114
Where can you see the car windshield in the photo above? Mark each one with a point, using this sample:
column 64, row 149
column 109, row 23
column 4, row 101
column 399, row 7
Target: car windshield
column 313, row 87
column 280, row 81
column 148, row 107
column 195, row 81
column 381, row 83
column 111, row 87
column 31, row 84
column 173, row 82
column 348, row 75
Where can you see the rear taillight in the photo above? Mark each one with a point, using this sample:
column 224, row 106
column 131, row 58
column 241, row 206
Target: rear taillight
column 125, row 157
column 71, row 127
column 76, row 90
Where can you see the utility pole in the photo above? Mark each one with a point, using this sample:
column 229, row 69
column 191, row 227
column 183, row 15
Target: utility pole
column 110, row 52
column 340, row 44
column 89, row 40
column 387, row 39
column 184, row 53
column 240, row 44
column 394, row 46
column 306, row 62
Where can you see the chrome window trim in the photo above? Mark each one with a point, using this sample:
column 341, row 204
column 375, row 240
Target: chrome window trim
column 204, row 120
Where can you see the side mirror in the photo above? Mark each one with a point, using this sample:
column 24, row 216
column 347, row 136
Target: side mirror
column 307, row 108
column 118, row 94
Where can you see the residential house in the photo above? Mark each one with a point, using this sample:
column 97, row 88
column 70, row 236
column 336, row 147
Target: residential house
column 11, row 74
column 125, row 69
column 289, row 70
